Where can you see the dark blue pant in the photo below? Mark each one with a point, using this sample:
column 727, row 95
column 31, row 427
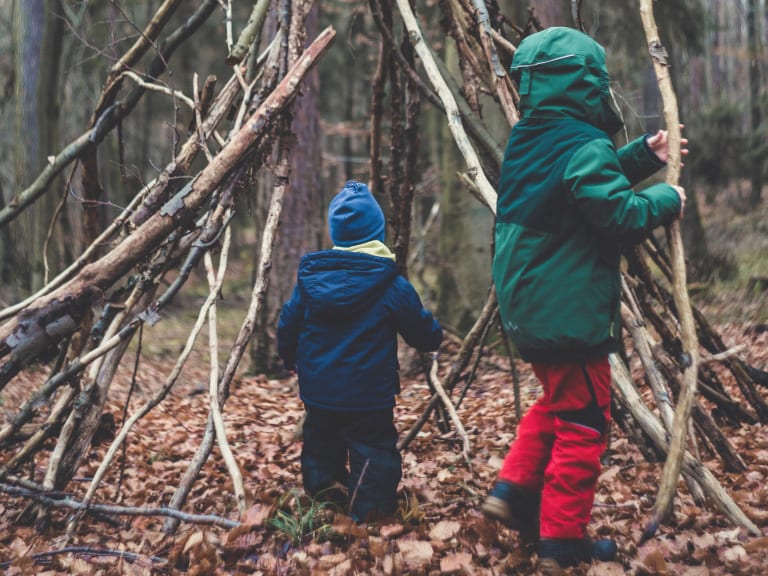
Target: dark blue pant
column 369, row 441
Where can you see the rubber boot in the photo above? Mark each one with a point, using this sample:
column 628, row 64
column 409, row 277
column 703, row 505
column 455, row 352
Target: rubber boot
column 515, row 507
column 557, row 554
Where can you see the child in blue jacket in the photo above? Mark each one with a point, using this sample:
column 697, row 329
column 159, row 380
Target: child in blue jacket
column 339, row 332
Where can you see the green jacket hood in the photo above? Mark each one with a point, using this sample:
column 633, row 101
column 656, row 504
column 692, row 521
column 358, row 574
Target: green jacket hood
column 561, row 73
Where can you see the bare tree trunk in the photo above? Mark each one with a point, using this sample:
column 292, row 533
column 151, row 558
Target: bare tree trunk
column 302, row 223
column 756, row 141
column 39, row 31
column 551, row 12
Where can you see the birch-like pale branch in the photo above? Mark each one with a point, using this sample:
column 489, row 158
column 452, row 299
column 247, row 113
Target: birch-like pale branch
column 158, row 397
column 690, row 361
column 214, row 282
column 474, row 168
column 56, row 501
column 434, row 378
column 155, row 87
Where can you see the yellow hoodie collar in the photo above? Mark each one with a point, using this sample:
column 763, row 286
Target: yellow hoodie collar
column 372, row 247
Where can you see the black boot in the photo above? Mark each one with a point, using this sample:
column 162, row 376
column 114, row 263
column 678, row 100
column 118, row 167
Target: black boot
column 515, row 507
column 556, row 554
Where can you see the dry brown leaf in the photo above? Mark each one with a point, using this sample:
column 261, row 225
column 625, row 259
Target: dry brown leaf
column 194, row 539
column 415, row 552
column 256, row 515
column 735, row 556
column 655, row 562
column 445, row 530
column 456, row 563
column 696, row 571
column 390, row 531
column 342, row 569
column 331, row 560
column 606, row 569
column 757, row 545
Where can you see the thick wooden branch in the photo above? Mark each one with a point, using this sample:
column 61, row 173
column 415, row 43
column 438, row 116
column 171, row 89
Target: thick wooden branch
column 57, row 315
column 674, row 461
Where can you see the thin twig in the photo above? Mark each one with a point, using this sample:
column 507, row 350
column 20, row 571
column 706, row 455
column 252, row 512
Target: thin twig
column 67, row 502
column 132, row 557
column 214, row 283
column 451, row 410
column 726, row 355
column 155, row 87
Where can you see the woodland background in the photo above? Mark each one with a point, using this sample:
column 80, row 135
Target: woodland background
column 57, row 59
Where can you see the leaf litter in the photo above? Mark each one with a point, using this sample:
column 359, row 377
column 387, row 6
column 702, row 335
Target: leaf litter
column 437, row 529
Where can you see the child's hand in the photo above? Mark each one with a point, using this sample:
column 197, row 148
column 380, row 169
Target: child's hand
column 659, row 144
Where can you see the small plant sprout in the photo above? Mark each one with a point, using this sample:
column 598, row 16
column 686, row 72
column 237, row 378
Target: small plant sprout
column 298, row 517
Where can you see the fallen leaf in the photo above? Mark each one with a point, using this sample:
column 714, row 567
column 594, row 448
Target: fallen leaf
column 445, row 530
column 757, row 545
column 456, row 563
column 332, row 560
column 655, row 562
column 606, row 569
column 415, row 552
column 391, row 530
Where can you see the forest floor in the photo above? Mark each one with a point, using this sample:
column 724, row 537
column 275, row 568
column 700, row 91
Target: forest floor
column 438, row 528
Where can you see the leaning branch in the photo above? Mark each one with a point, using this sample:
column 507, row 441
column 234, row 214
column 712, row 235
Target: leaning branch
column 690, row 363
column 462, row 359
column 55, row 165
column 435, row 379
column 475, row 169
column 691, row 467
column 26, row 336
column 214, row 282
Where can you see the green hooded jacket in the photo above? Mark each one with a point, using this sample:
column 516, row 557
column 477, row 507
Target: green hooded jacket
column 566, row 203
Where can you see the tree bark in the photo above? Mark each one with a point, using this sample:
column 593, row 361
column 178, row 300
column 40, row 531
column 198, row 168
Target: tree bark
column 755, row 147
column 40, row 33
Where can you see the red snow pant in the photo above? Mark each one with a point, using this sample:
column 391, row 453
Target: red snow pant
column 559, row 443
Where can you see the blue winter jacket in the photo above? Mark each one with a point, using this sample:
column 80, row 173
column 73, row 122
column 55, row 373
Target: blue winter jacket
column 339, row 330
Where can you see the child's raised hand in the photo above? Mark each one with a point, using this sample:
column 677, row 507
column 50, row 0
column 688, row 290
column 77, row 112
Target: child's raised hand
column 659, row 144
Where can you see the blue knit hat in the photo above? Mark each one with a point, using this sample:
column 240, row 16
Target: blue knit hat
column 354, row 216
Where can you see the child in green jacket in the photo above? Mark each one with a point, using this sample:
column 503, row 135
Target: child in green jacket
column 565, row 208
